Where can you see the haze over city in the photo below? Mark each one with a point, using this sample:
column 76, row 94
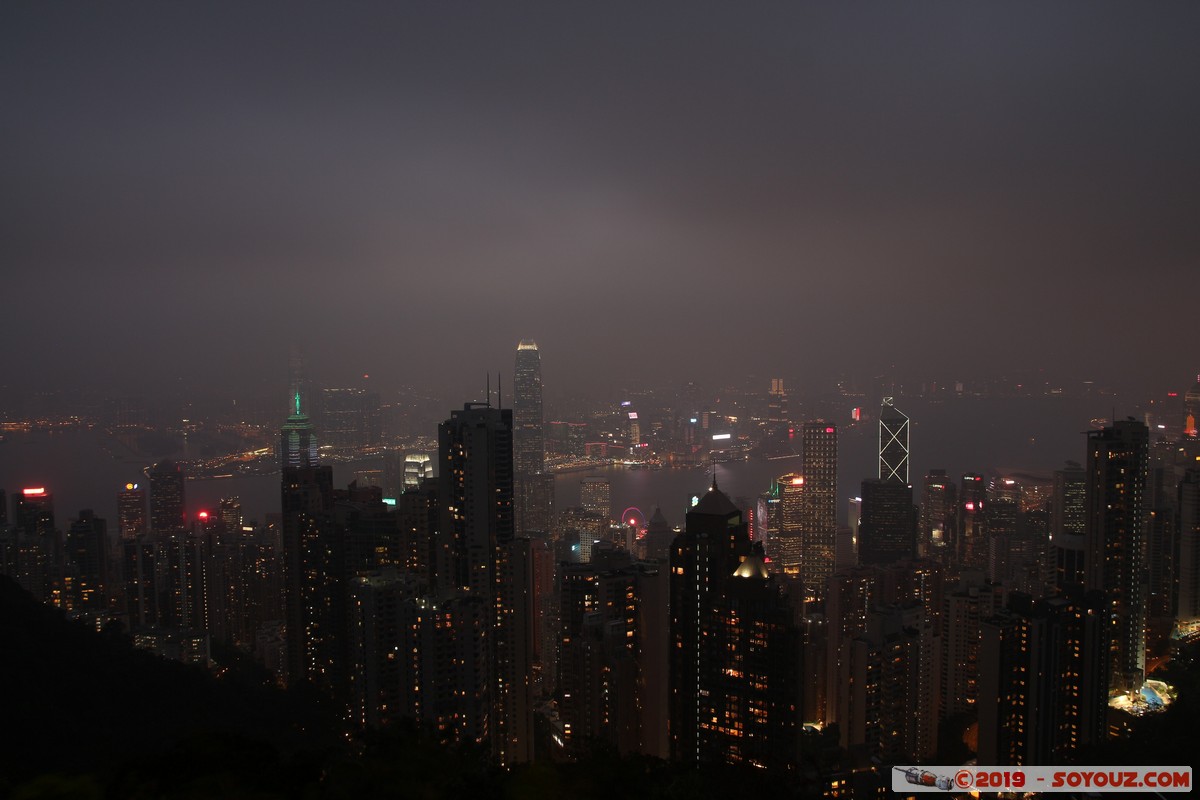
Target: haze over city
column 664, row 193
column 598, row 400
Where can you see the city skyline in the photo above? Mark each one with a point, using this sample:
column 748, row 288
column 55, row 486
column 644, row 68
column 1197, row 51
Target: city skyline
column 974, row 177
column 597, row 401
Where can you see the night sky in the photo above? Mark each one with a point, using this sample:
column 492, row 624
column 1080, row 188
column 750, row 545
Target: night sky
column 653, row 191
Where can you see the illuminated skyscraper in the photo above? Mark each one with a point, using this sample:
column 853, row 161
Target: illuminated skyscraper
column 972, row 546
column 820, row 458
column 749, row 708
column 1039, row 700
column 1067, row 525
column 306, row 501
column 298, row 446
column 777, row 408
column 939, row 516
column 533, row 492
column 703, row 558
column 792, row 491
column 131, row 511
column 893, row 443
column 529, row 456
column 478, row 553
column 1191, row 411
column 595, row 495
column 39, row 544
column 1117, row 462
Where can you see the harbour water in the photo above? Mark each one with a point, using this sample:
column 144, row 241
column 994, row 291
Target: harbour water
column 84, row 469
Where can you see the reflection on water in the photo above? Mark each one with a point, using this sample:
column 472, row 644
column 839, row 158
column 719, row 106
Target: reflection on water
column 85, row 468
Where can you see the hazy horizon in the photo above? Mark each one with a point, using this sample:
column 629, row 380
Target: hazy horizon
column 654, row 193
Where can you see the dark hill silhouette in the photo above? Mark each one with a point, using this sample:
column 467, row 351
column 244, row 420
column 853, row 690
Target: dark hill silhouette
column 76, row 701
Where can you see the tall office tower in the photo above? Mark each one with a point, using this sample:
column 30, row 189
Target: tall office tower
column 750, row 711
column 1041, row 697
column 306, row 501
column 87, row 563
column 972, row 544
column 131, row 512
column 38, row 542
column 298, row 445
column 703, row 559
column 1187, row 604
column 791, row 491
column 939, row 517
column 350, row 418
column 533, row 502
column 1001, row 523
column 887, row 531
column 166, row 497
column 1116, row 480
column 417, row 467
column 963, row 610
column 230, row 514
column 1067, row 525
column 820, row 462
column 1191, row 411
column 777, row 408
column 894, row 431
column 595, row 495
column 475, row 552
column 529, row 449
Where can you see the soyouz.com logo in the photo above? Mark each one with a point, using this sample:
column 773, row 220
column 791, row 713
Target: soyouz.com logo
column 907, row 779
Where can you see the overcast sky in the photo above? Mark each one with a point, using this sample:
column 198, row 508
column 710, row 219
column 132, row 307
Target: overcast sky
column 653, row 191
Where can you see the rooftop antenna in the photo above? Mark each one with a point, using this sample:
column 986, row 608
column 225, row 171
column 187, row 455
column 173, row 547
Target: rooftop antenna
column 499, row 392
column 488, row 392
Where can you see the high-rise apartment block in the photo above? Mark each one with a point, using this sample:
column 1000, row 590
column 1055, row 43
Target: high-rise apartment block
column 1117, row 461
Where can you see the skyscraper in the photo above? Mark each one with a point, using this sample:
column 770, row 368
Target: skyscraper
column 529, row 456
column 297, row 446
column 306, row 493
column 1187, row 614
column 887, row 531
column 777, row 408
column 131, row 511
column 939, row 516
column 703, row 559
column 893, row 443
column 1067, row 525
column 478, row 553
column 1117, row 461
column 791, row 489
column 166, row 497
column 595, row 495
column 1191, row 411
column 819, row 533
column 533, row 495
